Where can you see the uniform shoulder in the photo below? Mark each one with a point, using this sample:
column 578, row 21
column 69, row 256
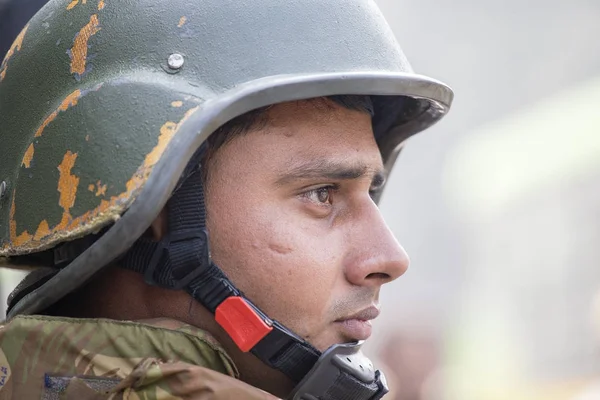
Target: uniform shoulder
column 54, row 349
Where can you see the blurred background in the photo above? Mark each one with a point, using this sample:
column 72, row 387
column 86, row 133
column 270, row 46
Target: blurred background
column 498, row 206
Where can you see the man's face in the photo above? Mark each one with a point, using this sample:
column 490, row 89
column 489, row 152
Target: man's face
column 293, row 225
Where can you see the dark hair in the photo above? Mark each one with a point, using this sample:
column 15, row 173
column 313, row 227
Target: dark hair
column 257, row 119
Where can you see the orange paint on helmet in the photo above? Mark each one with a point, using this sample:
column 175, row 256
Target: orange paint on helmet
column 28, row 156
column 79, row 51
column 16, row 46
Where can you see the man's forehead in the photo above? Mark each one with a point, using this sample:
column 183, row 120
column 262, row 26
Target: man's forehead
column 303, row 139
column 329, row 141
column 317, row 110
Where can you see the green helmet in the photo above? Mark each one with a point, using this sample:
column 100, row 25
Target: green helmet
column 104, row 103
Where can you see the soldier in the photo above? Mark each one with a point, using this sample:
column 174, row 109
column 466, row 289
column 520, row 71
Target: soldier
column 194, row 186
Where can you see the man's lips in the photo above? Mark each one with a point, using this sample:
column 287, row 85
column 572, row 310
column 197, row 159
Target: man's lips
column 358, row 326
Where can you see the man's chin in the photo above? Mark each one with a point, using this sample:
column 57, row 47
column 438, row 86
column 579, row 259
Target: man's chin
column 347, row 331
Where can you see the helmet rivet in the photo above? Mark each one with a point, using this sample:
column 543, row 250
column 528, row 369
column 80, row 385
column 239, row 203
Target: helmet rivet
column 175, row 61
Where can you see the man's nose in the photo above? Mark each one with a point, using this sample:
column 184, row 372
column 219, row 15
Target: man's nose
column 374, row 255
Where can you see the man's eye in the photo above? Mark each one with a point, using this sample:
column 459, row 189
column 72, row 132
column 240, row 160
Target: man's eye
column 321, row 195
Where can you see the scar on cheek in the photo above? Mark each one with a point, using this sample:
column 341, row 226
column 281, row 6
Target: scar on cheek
column 280, row 248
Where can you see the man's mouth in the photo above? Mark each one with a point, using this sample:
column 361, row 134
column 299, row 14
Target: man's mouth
column 358, row 326
column 355, row 329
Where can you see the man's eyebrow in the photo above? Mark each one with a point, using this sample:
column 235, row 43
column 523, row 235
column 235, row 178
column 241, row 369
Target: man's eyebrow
column 331, row 170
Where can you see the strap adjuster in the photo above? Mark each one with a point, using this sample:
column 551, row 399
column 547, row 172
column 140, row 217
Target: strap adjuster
column 241, row 322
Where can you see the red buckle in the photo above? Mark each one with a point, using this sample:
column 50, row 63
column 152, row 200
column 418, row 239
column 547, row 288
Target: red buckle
column 239, row 320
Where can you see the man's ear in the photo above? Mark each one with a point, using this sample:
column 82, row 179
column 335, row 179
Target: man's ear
column 159, row 227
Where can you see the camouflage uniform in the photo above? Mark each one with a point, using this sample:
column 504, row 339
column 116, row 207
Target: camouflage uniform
column 63, row 358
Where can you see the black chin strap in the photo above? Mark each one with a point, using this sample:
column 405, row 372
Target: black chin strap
column 182, row 261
